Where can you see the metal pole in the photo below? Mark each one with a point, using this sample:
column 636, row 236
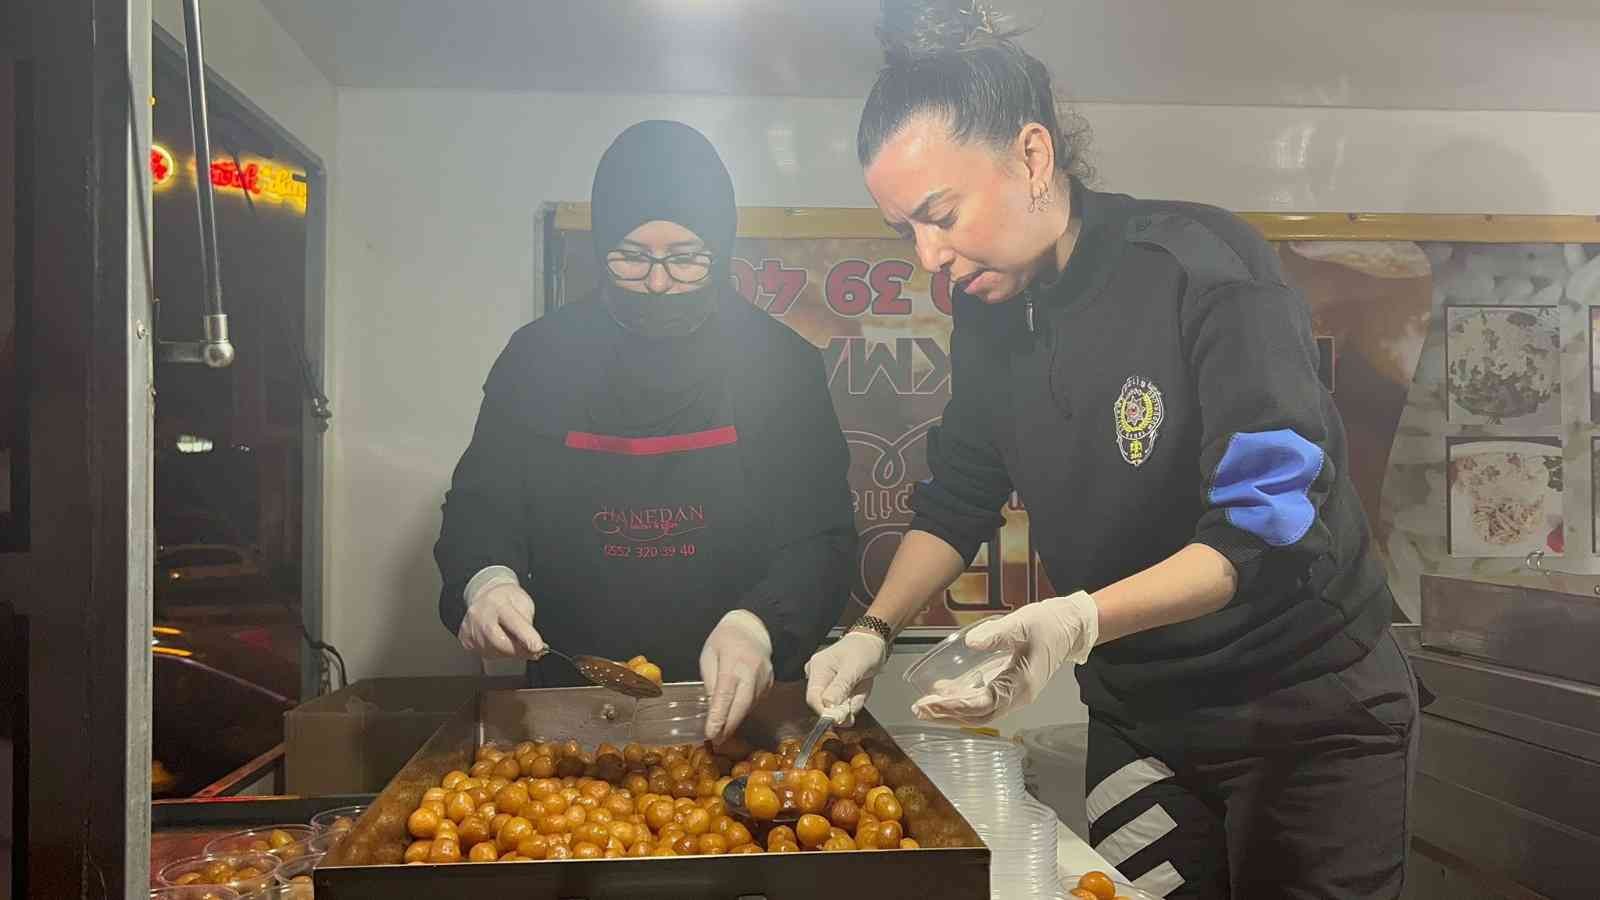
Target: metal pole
column 217, row 351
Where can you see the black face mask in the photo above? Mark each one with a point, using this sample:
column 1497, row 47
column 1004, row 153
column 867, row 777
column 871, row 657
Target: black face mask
column 660, row 315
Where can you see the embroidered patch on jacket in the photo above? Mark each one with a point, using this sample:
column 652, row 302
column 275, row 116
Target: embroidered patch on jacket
column 1139, row 412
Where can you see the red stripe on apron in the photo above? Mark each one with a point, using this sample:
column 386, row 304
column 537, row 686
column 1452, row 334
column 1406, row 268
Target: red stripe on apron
column 653, row 446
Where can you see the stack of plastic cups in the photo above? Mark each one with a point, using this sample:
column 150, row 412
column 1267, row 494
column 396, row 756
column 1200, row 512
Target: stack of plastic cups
column 1023, row 851
column 981, row 772
column 982, row 777
column 911, row 733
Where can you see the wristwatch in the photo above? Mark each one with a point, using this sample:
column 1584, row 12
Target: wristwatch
column 873, row 625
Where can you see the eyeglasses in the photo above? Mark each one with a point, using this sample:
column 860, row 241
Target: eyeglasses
column 684, row 268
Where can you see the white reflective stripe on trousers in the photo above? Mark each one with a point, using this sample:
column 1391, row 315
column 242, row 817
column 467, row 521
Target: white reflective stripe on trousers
column 1124, row 783
column 1160, row 881
column 1149, row 827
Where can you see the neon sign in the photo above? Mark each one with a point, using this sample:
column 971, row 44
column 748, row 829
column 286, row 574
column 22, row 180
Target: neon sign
column 262, row 179
column 162, row 167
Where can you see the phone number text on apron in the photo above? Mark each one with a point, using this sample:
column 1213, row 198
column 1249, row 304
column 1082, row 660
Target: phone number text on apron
column 649, row 551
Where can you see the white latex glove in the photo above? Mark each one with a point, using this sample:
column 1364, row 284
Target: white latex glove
column 736, row 666
column 839, row 677
column 1041, row 637
column 499, row 620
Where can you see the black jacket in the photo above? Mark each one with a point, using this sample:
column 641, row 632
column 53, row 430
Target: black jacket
column 796, row 467
column 1166, row 394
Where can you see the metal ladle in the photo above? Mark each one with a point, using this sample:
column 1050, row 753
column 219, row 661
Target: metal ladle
column 610, row 675
column 733, row 794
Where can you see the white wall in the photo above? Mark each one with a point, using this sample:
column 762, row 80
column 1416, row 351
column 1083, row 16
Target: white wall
column 437, row 194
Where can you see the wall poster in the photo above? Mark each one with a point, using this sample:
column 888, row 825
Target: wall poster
column 1432, row 331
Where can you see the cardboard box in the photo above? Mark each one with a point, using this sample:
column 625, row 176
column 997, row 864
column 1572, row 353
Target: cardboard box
column 354, row 740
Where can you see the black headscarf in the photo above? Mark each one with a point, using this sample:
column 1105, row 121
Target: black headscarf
column 667, row 171
column 663, row 171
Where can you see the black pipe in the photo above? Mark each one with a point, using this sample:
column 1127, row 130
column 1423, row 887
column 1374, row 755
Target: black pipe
column 215, row 350
column 210, row 268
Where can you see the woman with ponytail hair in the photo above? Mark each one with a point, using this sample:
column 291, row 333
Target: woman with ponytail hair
column 1140, row 373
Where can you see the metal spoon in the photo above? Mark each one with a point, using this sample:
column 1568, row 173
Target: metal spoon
column 611, row 675
column 733, row 794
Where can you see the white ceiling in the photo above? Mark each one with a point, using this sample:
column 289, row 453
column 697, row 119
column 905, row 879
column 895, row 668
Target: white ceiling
column 1418, row 54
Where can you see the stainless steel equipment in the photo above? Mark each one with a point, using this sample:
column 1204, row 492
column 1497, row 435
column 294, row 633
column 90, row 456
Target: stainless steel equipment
column 1542, row 623
column 366, row 865
column 1505, row 801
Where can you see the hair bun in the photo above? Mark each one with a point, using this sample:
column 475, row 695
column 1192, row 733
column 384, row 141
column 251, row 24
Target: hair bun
column 915, row 30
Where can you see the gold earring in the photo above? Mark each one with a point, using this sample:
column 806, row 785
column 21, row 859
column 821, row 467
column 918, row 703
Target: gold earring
column 1039, row 201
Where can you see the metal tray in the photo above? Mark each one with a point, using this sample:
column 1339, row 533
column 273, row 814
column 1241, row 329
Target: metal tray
column 364, row 866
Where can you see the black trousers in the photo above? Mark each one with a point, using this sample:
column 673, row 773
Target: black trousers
column 1299, row 794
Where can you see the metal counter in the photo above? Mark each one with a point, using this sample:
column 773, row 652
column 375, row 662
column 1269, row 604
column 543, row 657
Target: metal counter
column 1509, row 768
column 366, row 865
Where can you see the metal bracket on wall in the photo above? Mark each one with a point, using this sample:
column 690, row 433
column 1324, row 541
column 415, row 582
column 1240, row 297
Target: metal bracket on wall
column 1535, row 561
column 214, row 351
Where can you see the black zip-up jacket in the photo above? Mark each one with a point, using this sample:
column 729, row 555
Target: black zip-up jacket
column 1165, row 394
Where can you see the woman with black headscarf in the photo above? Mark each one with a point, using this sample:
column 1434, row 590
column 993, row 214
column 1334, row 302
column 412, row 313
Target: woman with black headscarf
column 658, row 469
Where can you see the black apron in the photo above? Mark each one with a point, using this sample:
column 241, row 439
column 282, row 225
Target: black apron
column 641, row 545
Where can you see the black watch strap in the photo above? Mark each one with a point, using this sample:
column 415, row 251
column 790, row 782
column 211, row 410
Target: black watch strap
column 873, row 625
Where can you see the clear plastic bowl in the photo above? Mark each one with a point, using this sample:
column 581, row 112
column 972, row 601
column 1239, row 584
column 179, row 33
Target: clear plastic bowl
column 325, row 820
column 952, row 660
column 1011, row 823
column 194, row 892
column 301, row 866
column 984, row 771
column 287, row 887
column 259, row 840
column 671, row 721
column 912, row 733
column 967, row 749
column 1026, row 812
column 936, row 771
column 267, row 865
column 324, row 842
column 1124, row 889
column 968, row 797
column 1022, row 844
